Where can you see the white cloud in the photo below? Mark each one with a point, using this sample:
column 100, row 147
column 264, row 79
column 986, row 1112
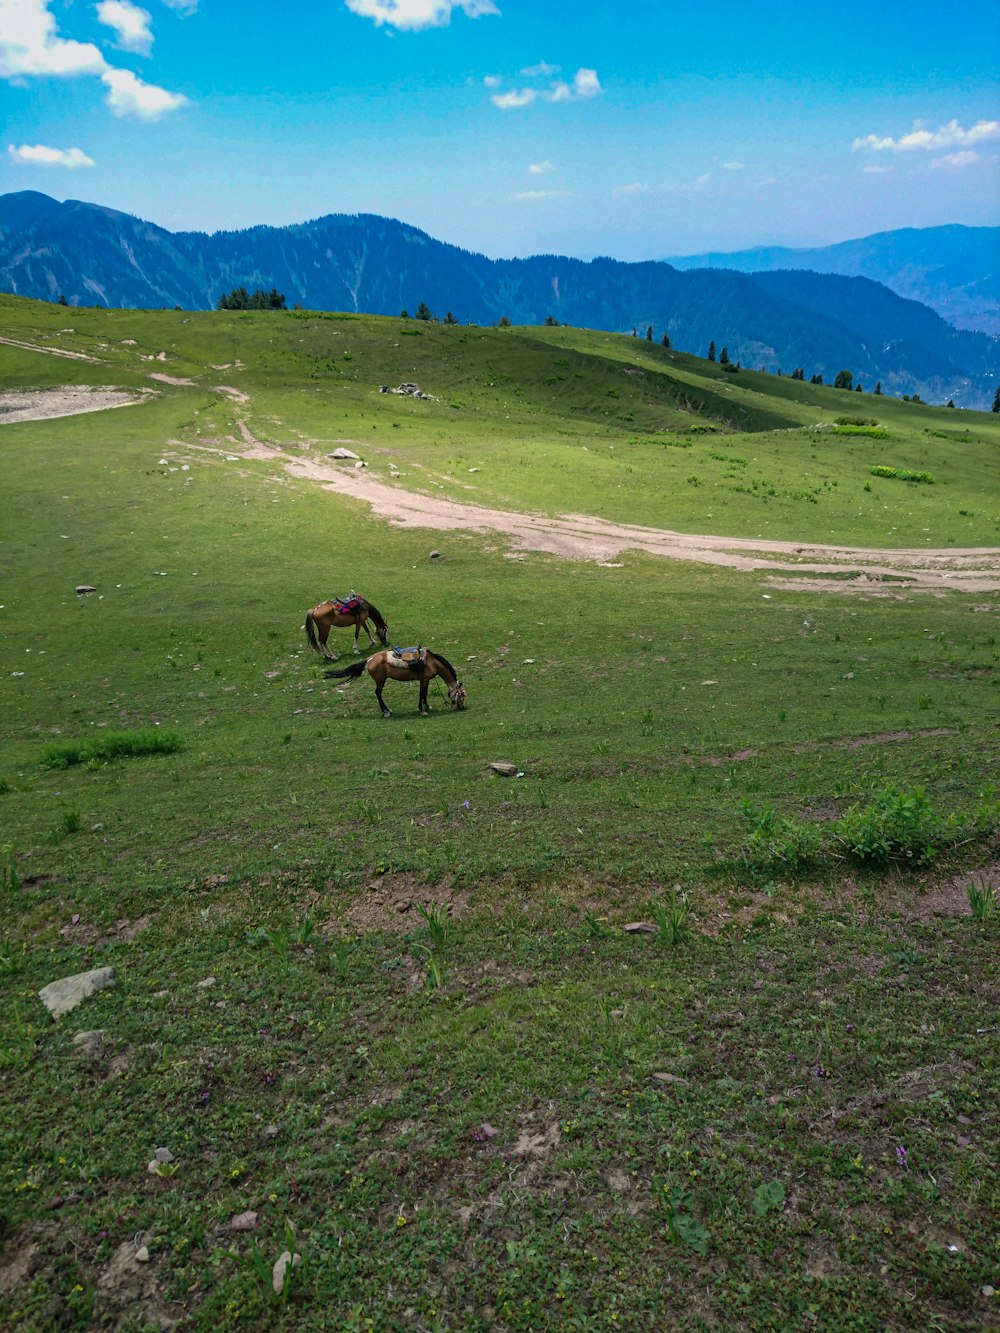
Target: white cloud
column 541, row 168
column 734, row 166
column 129, row 96
column 636, row 187
column 414, row 15
column 129, row 22
column 544, row 194
column 492, row 81
column 38, row 155
column 871, row 169
column 506, row 101
column 967, row 157
column 585, row 84
column 183, row 7
column 685, row 187
column 30, row 45
column 951, row 135
column 540, row 71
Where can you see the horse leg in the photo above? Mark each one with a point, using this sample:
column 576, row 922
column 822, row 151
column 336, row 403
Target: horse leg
column 324, row 634
column 357, row 631
column 423, row 708
column 386, row 710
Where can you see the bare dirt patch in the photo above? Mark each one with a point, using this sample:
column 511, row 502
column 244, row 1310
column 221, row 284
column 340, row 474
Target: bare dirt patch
column 817, row 567
column 390, row 902
column 65, row 400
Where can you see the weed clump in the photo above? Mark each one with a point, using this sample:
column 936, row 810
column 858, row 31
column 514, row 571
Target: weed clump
column 109, row 745
column 901, row 474
column 896, row 825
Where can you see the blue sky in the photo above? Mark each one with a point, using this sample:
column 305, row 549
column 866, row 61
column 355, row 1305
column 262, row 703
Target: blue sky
column 632, row 128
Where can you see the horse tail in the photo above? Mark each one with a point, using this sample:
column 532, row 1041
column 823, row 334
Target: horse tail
column 311, row 632
column 354, row 671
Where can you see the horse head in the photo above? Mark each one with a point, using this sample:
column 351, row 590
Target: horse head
column 456, row 695
column 382, row 632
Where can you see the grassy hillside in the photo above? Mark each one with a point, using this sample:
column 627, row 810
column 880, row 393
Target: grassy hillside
column 431, row 1061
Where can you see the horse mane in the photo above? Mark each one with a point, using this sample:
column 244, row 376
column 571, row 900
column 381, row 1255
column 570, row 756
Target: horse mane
column 376, row 615
column 444, row 662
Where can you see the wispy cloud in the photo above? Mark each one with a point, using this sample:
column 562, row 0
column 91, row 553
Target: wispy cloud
column 182, row 7
column 734, row 166
column 38, row 155
column 415, row 15
column 542, row 70
column 636, row 187
column 876, row 169
column 544, row 194
column 31, row 47
column 584, row 84
column 128, row 95
column 686, row 187
column 541, row 168
column 967, row 157
column 952, row 135
column 129, row 22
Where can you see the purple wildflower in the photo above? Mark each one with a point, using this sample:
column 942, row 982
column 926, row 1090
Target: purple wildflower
column 901, row 1155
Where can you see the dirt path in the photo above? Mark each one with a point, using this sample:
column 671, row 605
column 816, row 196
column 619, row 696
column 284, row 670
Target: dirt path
column 580, row 537
column 66, row 400
column 50, row 351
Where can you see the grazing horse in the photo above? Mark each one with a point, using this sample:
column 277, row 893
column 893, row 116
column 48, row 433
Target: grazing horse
column 353, row 610
column 406, row 664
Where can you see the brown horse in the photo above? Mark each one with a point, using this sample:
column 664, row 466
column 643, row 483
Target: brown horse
column 353, row 610
column 406, row 664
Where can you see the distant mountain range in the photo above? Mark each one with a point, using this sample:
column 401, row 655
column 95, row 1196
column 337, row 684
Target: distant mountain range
column 95, row 256
column 955, row 270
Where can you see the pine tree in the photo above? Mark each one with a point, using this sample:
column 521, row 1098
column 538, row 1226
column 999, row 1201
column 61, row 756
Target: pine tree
column 724, row 357
column 649, row 333
column 878, row 389
column 711, row 350
column 423, row 312
column 450, row 318
column 665, row 340
column 844, row 380
column 996, row 401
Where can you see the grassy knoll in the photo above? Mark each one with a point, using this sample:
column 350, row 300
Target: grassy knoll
column 428, row 1056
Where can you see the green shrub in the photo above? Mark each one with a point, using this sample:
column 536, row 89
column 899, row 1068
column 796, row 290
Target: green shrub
column 872, row 432
column 779, row 842
column 896, row 825
column 109, row 745
column 901, row 473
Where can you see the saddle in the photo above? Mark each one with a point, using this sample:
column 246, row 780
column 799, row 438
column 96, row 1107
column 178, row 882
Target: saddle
column 412, row 659
column 348, row 606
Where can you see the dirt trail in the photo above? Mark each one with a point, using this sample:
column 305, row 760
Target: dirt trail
column 67, row 400
column 580, row 537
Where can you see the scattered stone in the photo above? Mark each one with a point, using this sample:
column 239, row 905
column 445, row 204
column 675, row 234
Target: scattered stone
column 435, row 555
column 709, row 682
column 271, row 1131
column 160, row 994
column 83, row 588
column 15, row 1269
column 244, row 1222
column 639, row 928
column 206, row 984
column 142, row 1254
column 281, row 1264
column 671, row 1078
column 474, row 469
column 163, row 1155
column 406, row 390
column 59, row 997
column 504, row 769
column 344, row 453
column 91, row 1043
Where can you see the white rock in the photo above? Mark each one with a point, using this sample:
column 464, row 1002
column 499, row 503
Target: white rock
column 343, row 453
column 59, row 997
column 281, row 1265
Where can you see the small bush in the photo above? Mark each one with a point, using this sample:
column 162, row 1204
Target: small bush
column 901, row 474
column 109, row 745
column 896, row 825
column 872, row 432
column 779, row 842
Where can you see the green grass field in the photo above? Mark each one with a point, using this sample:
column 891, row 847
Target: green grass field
column 430, row 1059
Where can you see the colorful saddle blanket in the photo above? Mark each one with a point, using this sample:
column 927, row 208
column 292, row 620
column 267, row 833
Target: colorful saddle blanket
column 411, row 658
column 349, row 606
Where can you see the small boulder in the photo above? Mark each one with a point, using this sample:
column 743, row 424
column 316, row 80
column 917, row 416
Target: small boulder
column 504, row 769
column 284, row 1261
column 90, row 1043
column 59, row 997
column 344, row 453
column 639, row 928
column 244, row 1221
column 83, row 588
